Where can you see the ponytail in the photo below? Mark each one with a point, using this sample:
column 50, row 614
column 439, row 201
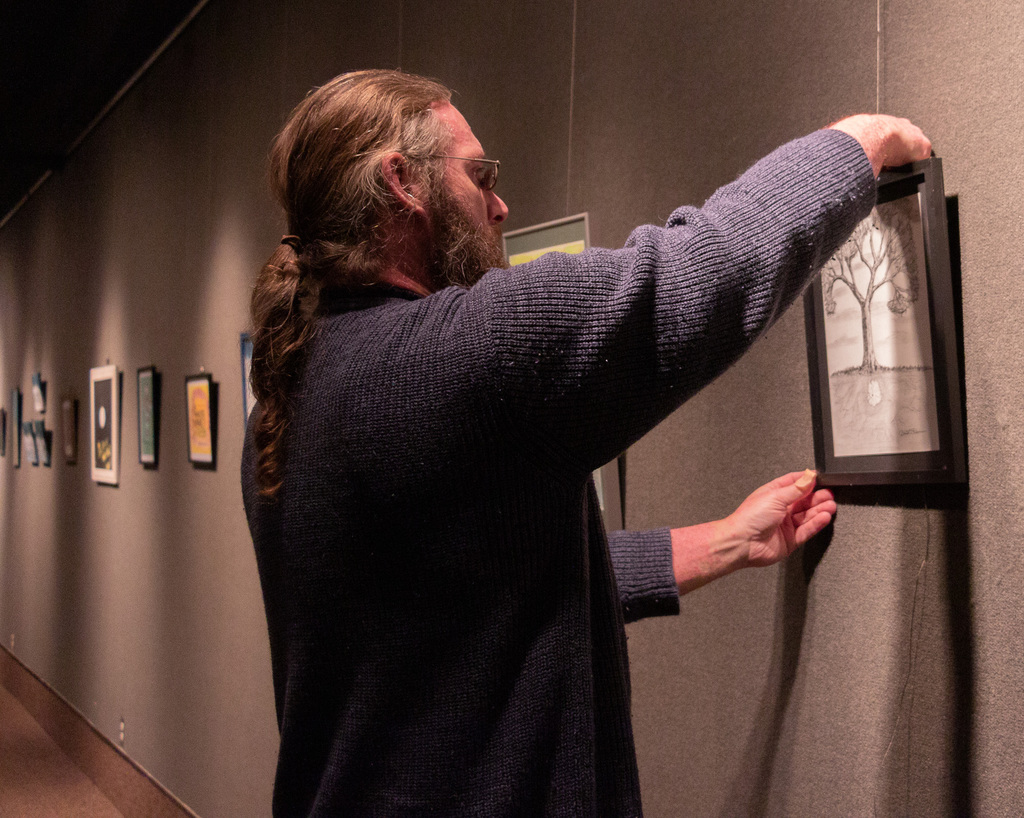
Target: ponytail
column 325, row 172
column 282, row 330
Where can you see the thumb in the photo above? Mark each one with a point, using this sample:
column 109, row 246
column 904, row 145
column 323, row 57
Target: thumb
column 800, row 487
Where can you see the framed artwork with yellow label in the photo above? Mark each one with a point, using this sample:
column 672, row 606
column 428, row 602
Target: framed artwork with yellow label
column 201, row 414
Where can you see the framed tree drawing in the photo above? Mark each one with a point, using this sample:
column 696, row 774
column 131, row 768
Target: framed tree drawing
column 104, row 424
column 883, row 344
column 201, row 411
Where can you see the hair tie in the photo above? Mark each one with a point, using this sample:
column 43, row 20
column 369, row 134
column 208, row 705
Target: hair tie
column 292, row 241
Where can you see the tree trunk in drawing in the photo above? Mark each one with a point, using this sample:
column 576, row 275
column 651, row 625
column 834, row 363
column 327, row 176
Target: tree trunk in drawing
column 877, row 254
column 868, row 363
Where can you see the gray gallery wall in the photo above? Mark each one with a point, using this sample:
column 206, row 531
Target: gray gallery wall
column 879, row 673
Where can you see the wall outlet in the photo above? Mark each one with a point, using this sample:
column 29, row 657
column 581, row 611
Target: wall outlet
column 121, row 736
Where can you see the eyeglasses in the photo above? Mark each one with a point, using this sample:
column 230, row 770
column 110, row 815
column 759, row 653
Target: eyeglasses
column 486, row 171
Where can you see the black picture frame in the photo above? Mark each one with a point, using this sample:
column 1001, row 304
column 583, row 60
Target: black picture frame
column 15, row 424
column 248, row 396
column 147, row 385
column 897, row 416
column 44, row 442
column 201, row 419
column 29, row 442
column 105, row 424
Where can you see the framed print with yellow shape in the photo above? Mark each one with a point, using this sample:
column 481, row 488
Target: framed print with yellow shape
column 201, row 412
column 105, row 424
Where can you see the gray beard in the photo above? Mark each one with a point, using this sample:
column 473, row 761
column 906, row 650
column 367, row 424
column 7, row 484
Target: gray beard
column 462, row 252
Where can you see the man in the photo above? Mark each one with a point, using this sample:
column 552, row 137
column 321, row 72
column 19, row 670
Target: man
column 445, row 609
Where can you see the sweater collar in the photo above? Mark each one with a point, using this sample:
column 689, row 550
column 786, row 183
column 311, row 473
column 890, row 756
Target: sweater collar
column 334, row 300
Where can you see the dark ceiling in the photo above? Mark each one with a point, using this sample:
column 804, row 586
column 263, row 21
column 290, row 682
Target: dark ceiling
column 61, row 63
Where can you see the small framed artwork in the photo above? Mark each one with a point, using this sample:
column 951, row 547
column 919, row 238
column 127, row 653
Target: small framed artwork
column 39, row 393
column 105, row 424
column 610, row 483
column 69, row 429
column 568, row 235
column 28, row 442
column 883, row 344
column 248, row 398
column 148, row 385
column 201, row 411
column 43, row 439
column 16, row 427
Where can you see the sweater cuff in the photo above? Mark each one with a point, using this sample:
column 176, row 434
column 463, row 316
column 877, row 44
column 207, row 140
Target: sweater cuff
column 643, row 571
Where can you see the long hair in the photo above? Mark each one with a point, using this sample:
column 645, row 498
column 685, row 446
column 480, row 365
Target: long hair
column 325, row 168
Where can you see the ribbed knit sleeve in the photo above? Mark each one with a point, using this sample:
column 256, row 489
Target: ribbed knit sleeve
column 643, row 571
column 593, row 350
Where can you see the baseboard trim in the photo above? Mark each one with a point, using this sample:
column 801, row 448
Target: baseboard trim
column 127, row 784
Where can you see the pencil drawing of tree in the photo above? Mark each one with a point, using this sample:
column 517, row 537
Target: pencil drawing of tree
column 878, row 255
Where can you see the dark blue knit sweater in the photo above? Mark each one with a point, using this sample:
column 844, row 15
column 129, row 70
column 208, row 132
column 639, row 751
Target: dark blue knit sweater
column 445, row 625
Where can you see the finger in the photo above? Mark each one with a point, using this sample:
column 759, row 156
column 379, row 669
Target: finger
column 823, row 496
column 812, row 526
column 915, row 145
column 795, row 486
column 784, row 480
column 820, row 497
column 803, row 515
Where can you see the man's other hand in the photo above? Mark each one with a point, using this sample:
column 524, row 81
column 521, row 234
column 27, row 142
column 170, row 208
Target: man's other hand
column 889, row 141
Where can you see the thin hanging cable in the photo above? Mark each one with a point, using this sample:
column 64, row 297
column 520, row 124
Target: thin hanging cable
column 878, row 57
column 920, row 591
column 399, row 35
column 572, row 86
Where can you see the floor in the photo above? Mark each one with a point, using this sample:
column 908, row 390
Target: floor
column 37, row 780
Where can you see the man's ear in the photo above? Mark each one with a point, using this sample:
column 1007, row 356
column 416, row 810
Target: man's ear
column 399, row 179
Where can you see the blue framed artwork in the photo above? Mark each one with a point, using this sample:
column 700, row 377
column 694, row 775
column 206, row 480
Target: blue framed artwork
column 248, row 398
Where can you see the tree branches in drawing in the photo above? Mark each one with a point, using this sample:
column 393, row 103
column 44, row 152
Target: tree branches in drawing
column 879, row 254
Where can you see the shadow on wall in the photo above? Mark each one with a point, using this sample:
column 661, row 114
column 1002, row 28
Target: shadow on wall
column 941, row 658
column 752, row 791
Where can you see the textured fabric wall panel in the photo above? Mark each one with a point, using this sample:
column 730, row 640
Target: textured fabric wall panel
column 845, row 682
column 768, row 694
column 960, row 72
column 673, row 100
column 509, row 66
